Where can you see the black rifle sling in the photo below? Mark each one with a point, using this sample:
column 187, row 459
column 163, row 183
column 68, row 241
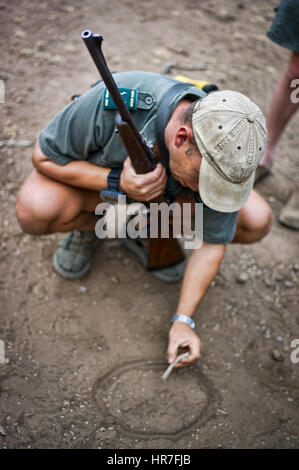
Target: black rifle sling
column 163, row 115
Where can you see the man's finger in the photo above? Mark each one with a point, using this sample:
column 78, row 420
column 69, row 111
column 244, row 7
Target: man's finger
column 172, row 351
column 152, row 189
column 155, row 193
column 194, row 353
column 127, row 163
column 150, row 186
column 147, row 185
column 155, row 175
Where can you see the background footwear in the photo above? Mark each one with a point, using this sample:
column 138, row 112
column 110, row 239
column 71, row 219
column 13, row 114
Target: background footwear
column 289, row 214
column 74, row 256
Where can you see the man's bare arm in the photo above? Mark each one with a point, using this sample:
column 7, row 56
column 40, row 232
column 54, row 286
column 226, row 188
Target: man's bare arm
column 83, row 174
column 201, row 269
column 79, row 173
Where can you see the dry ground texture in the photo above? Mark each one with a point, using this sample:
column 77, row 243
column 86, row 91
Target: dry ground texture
column 83, row 358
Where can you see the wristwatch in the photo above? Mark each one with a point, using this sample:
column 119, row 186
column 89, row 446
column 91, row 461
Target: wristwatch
column 114, row 178
column 112, row 193
column 184, row 319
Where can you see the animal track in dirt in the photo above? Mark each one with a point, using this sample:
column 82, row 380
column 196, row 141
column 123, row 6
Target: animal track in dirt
column 70, row 327
column 141, row 403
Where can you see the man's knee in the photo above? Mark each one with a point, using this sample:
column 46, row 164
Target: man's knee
column 255, row 220
column 264, row 221
column 32, row 213
column 39, row 203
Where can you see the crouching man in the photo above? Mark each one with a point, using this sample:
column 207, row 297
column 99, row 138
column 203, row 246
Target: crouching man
column 212, row 147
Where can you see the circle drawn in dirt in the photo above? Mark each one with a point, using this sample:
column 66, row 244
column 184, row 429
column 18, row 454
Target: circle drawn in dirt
column 141, row 403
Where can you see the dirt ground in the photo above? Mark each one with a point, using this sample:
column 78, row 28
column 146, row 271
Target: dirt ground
column 83, row 358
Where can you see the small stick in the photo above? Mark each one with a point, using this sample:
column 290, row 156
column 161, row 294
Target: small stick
column 171, row 366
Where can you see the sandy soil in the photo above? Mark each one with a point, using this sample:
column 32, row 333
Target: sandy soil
column 83, row 358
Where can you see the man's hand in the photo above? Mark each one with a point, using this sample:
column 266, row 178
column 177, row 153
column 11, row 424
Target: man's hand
column 143, row 187
column 181, row 334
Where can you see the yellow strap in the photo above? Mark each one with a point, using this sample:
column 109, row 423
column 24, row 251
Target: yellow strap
column 199, row 83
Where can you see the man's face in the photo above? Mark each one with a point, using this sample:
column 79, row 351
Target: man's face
column 185, row 167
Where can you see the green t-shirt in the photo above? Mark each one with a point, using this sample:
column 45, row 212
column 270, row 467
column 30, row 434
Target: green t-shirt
column 85, row 130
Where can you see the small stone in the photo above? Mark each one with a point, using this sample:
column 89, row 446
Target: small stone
column 223, row 15
column 277, row 356
column 116, row 59
column 83, row 289
column 263, row 38
column 239, row 36
column 258, row 19
column 296, row 268
column 279, row 338
column 179, row 50
column 68, row 8
column 114, row 280
column 267, row 334
column 242, row 278
column 289, row 284
column 56, row 59
column 270, row 69
column 2, row 431
column 167, row 68
column 19, row 33
column 70, row 48
column 161, row 53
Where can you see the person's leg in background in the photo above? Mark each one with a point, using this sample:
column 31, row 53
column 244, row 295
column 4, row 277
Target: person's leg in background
column 281, row 109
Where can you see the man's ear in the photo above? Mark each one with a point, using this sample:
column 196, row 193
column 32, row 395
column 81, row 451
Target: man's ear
column 183, row 134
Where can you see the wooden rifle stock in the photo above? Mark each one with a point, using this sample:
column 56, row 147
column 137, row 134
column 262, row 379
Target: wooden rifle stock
column 163, row 252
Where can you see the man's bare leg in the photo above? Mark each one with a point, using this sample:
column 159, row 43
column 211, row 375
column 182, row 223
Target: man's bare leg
column 254, row 220
column 47, row 206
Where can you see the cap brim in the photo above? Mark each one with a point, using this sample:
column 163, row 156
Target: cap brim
column 218, row 193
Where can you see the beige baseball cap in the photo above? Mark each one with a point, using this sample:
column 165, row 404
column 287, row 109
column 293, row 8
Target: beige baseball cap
column 230, row 132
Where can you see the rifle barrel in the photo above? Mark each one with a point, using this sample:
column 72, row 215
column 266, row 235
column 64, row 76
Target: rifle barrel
column 93, row 43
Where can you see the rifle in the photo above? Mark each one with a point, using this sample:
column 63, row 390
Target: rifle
column 162, row 252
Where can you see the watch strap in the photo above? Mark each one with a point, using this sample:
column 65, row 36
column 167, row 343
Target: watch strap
column 184, row 319
column 114, row 178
